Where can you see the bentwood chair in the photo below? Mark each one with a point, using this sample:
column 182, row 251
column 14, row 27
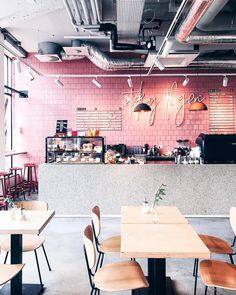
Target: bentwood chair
column 9, row 271
column 30, row 242
column 110, row 245
column 117, row 276
column 218, row 274
column 217, row 245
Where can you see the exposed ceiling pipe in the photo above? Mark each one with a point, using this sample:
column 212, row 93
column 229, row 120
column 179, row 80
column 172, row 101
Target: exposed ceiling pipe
column 72, row 19
column 104, row 62
column 222, row 22
column 211, row 13
column 114, row 38
column 86, row 12
column 212, row 39
column 77, row 11
column 197, row 10
column 98, row 11
column 94, row 11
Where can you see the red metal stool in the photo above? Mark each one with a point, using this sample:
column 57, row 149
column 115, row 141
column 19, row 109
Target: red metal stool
column 5, row 183
column 17, row 188
column 30, row 177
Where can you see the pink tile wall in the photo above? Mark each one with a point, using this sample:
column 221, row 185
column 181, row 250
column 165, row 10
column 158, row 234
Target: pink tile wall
column 35, row 117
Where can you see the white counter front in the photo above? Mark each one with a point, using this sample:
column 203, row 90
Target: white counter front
column 194, row 189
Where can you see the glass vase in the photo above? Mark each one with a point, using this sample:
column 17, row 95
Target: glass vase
column 154, row 212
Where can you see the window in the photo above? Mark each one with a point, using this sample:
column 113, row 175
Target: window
column 8, row 108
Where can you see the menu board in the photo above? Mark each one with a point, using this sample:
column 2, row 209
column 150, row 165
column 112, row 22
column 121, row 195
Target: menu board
column 61, row 126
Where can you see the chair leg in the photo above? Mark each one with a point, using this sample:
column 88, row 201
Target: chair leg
column 206, row 290
column 102, row 260
column 5, row 260
column 196, row 273
column 194, row 268
column 45, row 254
column 37, row 262
column 98, row 261
column 215, row 291
column 234, row 241
column 231, row 258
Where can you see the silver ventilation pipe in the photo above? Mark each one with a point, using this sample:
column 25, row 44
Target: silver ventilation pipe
column 86, row 12
column 214, row 64
column 211, row 13
column 212, row 39
column 197, row 10
column 98, row 11
column 77, row 11
column 94, row 11
column 105, row 62
column 72, row 19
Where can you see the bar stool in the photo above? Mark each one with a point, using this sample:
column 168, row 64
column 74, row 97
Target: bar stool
column 5, row 182
column 30, row 177
column 17, row 188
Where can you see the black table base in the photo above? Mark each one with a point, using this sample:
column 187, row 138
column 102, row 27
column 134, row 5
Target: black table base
column 147, row 291
column 27, row 289
column 159, row 284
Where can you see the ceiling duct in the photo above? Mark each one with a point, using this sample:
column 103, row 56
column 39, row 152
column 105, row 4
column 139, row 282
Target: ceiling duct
column 114, row 39
column 129, row 18
column 200, row 15
column 49, row 52
column 197, row 10
column 104, row 62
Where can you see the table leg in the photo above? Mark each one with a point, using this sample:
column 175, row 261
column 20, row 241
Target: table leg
column 159, row 284
column 16, row 258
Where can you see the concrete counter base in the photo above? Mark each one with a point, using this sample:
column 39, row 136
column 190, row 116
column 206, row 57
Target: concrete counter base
column 194, row 189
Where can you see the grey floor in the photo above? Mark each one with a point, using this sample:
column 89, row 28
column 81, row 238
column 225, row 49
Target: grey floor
column 64, row 248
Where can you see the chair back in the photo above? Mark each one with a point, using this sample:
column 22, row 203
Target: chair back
column 96, row 221
column 232, row 219
column 90, row 253
column 33, row 205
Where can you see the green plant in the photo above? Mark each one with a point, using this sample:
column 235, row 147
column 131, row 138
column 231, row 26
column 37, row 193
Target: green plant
column 161, row 191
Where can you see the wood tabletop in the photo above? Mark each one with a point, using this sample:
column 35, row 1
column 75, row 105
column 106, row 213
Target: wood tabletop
column 165, row 214
column 161, row 241
column 34, row 222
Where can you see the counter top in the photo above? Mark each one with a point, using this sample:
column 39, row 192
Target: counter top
column 194, row 189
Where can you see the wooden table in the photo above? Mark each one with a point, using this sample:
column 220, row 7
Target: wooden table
column 165, row 214
column 158, row 241
column 34, row 223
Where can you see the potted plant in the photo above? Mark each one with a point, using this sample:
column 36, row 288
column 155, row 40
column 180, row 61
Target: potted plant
column 161, row 192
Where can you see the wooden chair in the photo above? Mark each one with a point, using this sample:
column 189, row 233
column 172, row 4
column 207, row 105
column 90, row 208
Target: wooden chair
column 117, row 276
column 218, row 274
column 9, row 271
column 30, row 242
column 110, row 245
column 217, row 245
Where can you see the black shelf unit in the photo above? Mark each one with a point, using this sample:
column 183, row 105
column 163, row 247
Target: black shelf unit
column 73, row 147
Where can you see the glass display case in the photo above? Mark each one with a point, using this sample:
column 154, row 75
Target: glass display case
column 79, row 149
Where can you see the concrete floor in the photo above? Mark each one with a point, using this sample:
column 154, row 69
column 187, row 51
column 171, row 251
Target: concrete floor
column 64, row 248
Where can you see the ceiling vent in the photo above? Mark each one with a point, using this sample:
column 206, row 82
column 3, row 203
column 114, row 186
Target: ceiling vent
column 49, row 52
column 76, row 51
column 173, row 60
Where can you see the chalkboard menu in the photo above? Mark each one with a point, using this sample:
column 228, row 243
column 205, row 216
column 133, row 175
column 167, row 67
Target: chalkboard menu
column 61, row 126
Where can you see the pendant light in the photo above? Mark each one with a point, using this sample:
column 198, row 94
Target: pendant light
column 142, row 107
column 198, row 106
